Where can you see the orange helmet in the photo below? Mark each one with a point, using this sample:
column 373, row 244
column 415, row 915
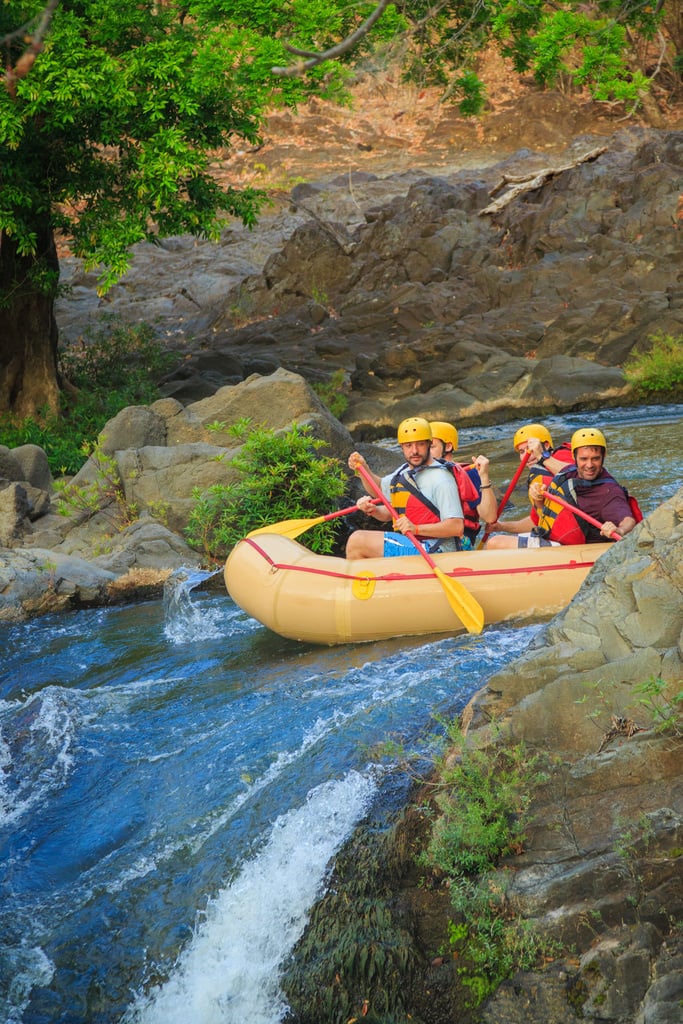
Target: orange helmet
column 445, row 432
column 532, row 430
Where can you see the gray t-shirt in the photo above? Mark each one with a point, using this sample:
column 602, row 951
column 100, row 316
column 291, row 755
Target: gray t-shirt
column 438, row 486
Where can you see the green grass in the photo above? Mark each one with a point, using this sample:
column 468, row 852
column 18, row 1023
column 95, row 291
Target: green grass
column 660, row 368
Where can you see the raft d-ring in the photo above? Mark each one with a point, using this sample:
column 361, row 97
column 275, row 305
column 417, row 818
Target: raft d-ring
column 363, row 587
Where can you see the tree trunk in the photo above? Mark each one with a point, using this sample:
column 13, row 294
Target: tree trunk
column 28, row 328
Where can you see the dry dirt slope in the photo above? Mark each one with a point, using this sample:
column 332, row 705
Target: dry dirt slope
column 393, row 127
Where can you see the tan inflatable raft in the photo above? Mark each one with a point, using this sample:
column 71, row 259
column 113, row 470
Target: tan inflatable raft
column 321, row 599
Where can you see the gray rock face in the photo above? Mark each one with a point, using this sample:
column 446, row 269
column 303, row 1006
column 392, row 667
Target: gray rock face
column 427, row 295
column 601, row 868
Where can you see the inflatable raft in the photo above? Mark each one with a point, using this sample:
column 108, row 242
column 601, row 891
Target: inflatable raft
column 321, row 599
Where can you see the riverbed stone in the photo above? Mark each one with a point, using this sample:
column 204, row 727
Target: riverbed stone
column 14, row 513
column 34, row 466
column 136, row 426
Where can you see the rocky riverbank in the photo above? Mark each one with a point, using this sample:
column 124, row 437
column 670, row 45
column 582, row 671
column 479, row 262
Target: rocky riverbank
column 468, row 295
column 600, row 873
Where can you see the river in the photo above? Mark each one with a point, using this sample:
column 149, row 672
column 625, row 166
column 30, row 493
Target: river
column 175, row 779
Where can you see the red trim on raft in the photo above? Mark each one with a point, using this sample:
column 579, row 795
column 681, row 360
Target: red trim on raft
column 405, row 577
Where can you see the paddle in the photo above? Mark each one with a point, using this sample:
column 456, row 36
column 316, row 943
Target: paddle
column 293, row 527
column 504, row 500
column 579, row 512
column 464, row 604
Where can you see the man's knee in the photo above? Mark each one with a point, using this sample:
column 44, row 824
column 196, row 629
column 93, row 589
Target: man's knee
column 500, row 541
column 364, row 544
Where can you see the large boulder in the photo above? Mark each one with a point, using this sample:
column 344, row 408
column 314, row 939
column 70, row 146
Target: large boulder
column 622, row 628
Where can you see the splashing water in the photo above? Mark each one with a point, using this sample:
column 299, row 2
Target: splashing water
column 228, row 974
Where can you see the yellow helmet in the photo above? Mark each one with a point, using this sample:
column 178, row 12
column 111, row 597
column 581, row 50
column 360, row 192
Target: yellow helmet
column 415, row 428
column 445, row 432
column 532, row 430
column 588, row 436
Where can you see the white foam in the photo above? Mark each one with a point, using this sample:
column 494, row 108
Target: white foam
column 29, row 967
column 37, row 757
column 229, row 973
column 186, row 622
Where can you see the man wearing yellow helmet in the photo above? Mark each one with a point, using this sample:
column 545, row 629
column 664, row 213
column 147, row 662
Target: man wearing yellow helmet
column 587, row 486
column 424, row 497
column 544, row 461
column 536, row 439
column 474, row 486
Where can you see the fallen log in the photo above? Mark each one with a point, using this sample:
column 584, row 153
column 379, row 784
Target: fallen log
column 529, row 182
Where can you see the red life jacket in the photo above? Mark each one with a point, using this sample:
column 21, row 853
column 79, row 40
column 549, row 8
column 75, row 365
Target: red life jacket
column 635, row 507
column 470, row 496
column 555, row 522
column 407, row 499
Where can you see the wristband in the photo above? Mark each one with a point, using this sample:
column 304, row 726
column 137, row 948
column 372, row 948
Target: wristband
column 484, row 486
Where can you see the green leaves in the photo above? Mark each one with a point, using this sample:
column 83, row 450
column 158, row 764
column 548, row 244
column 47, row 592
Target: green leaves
column 283, row 476
column 658, row 368
column 109, row 136
column 591, row 47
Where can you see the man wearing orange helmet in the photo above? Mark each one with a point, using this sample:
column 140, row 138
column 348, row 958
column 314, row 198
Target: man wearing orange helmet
column 474, row 486
column 424, row 497
column 589, row 487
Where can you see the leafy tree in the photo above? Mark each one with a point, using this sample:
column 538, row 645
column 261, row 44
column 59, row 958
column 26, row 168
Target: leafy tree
column 106, row 134
column 110, row 112
column 586, row 45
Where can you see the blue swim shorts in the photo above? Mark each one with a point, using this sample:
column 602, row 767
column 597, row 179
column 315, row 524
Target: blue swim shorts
column 396, row 544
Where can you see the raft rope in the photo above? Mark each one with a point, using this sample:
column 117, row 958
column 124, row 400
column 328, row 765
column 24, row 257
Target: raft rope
column 404, row 577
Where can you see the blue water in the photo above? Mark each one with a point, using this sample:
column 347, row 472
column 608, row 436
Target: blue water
column 174, row 780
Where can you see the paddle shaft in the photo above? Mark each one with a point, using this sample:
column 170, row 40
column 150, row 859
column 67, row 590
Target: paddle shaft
column 345, row 511
column 464, row 604
column 579, row 512
column 504, row 500
column 369, row 479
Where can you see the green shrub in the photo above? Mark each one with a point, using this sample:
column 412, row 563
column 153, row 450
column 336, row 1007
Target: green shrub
column 114, row 366
column 103, row 492
column 483, row 799
column 491, row 942
column 282, row 477
column 658, row 369
column 664, row 703
column 334, row 392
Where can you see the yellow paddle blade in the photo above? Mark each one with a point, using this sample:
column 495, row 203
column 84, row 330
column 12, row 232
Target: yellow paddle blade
column 289, row 528
column 464, row 604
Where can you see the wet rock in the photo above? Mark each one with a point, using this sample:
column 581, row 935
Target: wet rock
column 38, row 581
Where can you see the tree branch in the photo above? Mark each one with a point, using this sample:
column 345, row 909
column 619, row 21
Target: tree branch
column 35, row 45
column 314, row 59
